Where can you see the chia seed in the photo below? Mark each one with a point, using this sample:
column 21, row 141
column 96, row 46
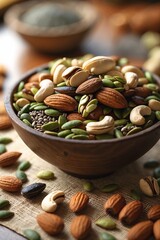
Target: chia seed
column 39, row 118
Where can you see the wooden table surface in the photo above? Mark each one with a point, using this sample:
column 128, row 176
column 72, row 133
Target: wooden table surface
column 18, row 57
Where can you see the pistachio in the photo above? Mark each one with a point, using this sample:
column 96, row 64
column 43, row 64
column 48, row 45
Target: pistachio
column 134, row 69
column 2, row 148
column 45, row 174
column 31, row 234
column 4, row 203
column 6, row 214
column 88, row 186
column 106, row 236
column 106, row 223
column 149, row 186
column 22, row 102
column 131, row 79
column 24, row 165
column 21, row 175
column 49, row 203
column 109, row 188
column 33, row 190
column 154, row 104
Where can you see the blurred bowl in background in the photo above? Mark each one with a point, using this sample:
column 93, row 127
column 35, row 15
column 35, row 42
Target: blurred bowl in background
column 52, row 39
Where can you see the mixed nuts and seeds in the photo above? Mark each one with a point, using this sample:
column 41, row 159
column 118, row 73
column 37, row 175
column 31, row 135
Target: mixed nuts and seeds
column 90, row 98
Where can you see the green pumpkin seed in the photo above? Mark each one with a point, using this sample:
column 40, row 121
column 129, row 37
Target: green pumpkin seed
column 120, row 122
column 151, row 164
column 24, row 165
column 118, row 113
column 152, row 97
column 119, row 79
column 50, row 126
column 106, row 222
column 108, row 83
column 90, row 108
column 31, row 234
column 26, row 116
column 108, row 77
column 158, row 181
column 28, row 96
column 149, row 123
column 78, row 98
column 135, row 194
column 5, row 140
column 104, row 136
column 20, row 86
column 64, row 133
column 117, row 84
column 52, row 112
column 61, row 120
column 109, row 188
column 27, row 122
column 149, row 77
column 25, row 109
column 118, row 133
column 156, row 172
column 5, row 214
column 34, row 90
column 18, row 95
column 88, row 121
column 106, row 110
column 71, row 124
column 80, row 137
column 119, row 89
column 78, row 131
column 21, row 175
column 45, row 174
column 134, row 130
column 88, row 186
column 62, row 84
column 35, row 104
column 43, row 107
column 122, row 61
column 4, row 203
column 158, row 115
column 156, row 93
column 51, row 133
column 106, row 236
column 2, row 148
column 70, row 136
column 126, row 112
column 152, row 86
column 16, row 107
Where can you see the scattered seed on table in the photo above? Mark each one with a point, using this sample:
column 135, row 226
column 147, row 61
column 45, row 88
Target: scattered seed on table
column 33, row 190
column 106, row 236
column 2, row 148
column 106, row 223
column 109, row 188
column 5, row 214
column 21, row 175
column 45, row 174
column 4, row 203
column 88, row 186
column 135, row 194
column 24, row 165
column 5, row 140
column 31, row 234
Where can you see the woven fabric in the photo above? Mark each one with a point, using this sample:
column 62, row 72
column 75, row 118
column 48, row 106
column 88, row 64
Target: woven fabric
column 26, row 210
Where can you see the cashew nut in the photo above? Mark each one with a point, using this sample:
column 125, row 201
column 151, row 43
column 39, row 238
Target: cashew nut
column 46, row 89
column 130, row 68
column 131, row 79
column 154, row 104
column 137, row 113
column 106, row 125
column 57, row 75
column 49, row 203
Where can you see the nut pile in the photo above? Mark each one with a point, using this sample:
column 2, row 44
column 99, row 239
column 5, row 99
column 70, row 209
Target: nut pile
column 90, row 98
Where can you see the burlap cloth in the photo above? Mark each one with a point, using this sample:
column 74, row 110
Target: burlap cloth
column 27, row 210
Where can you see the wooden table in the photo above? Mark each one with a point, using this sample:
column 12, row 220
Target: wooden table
column 18, row 57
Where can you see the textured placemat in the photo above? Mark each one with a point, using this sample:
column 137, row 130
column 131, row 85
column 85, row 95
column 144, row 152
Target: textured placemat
column 27, row 210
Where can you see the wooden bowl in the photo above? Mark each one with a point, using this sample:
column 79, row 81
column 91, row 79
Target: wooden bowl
column 53, row 39
column 87, row 158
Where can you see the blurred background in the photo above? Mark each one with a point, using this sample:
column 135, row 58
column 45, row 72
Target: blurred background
column 35, row 32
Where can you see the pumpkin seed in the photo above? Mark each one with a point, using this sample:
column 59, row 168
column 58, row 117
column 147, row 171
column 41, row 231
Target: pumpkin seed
column 24, row 165
column 106, row 236
column 61, row 120
column 108, row 83
column 16, row 107
column 78, row 98
column 78, row 131
column 18, row 95
column 134, row 130
column 2, row 148
column 33, row 190
column 156, row 172
column 26, row 116
column 50, row 126
column 109, row 188
column 51, row 133
column 151, row 164
column 70, row 136
column 20, row 86
column 118, row 133
column 158, row 115
column 52, row 112
column 126, row 112
column 62, row 84
column 5, row 140
column 118, row 113
column 108, row 77
column 120, row 122
column 119, row 89
column 5, row 214
column 152, row 97
column 25, row 109
column 43, row 107
column 104, row 136
column 31, row 234
column 149, row 77
column 34, row 90
column 80, row 137
column 27, row 122
column 4, row 203
column 119, row 79
column 64, row 133
column 45, row 174
column 21, row 175
column 156, row 94
column 71, row 124
column 35, row 104
column 88, row 186
column 135, row 194
column 106, row 222
column 117, row 84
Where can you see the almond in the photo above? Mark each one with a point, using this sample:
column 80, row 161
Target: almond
column 156, row 230
column 10, row 183
column 50, row 223
column 5, row 122
column 80, row 227
column 2, row 109
column 112, row 98
column 9, row 158
column 78, row 201
column 89, row 86
column 61, row 102
column 142, row 92
column 34, row 77
column 29, row 85
column 75, row 116
column 141, row 231
column 114, row 204
column 154, row 213
column 96, row 114
column 131, row 212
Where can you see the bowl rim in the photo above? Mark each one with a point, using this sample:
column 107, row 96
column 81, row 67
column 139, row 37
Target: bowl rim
column 12, row 19
column 9, row 107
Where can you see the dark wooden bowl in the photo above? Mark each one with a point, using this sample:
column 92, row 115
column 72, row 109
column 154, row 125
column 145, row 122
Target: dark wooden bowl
column 83, row 157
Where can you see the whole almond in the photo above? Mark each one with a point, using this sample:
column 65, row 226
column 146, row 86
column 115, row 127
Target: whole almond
column 142, row 92
column 156, row 230
column 50, row 223
column 75, row 116
column 114, row 204
column 5, row 122
column 131, row 212
column 10, row 183
column 80, row 227
column 154, row 213
column 9, row 158
column 96, row 113
column 78, row 201
column 89, row 86
column 112, row 98
column 61, row 102
column 141, row 231
column 2, row 109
